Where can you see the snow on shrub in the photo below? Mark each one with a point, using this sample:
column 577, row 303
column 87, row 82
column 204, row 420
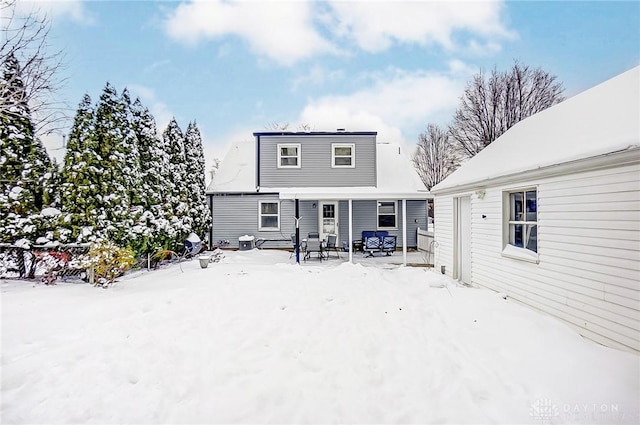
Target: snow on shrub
column 108, row 262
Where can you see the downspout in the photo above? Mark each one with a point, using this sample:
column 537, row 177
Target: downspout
column 258, row 163
column 297, row 218
column 211, row 227
column 350, row 231
column 404, row 232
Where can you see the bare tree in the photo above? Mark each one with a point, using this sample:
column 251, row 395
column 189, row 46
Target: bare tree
column 276, row 126
column 214, row 168
column 491, row 104
column 435, row 156
column 25, row 36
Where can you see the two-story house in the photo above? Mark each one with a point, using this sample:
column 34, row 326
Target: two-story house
column 342, row 182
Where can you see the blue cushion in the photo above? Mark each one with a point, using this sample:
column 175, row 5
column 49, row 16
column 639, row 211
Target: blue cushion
column 368, row 234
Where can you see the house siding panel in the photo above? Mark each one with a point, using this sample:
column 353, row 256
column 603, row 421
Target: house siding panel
column 235, row 216
column 315, row 162
column 365, row 219
column 588, row 245
column 443, row 233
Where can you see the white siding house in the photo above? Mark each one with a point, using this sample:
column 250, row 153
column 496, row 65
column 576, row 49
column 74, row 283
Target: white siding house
column 549, row 213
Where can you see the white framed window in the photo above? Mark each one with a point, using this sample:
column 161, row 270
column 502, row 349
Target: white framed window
column 289, row 155
column 521, row 223
column 387, row 215
column 268, row 215
column 343, row 155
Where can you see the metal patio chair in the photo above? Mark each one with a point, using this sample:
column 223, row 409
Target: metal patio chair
column 331, row 245
column 313, row 246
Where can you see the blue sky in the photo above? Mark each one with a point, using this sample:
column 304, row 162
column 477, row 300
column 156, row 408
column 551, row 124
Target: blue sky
column 386, row 66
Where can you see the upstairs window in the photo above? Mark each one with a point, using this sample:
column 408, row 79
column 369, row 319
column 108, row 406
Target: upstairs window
column 343, row 155
column 289, row 155
column 269, row 215
column 523, row 220
column 387, row 215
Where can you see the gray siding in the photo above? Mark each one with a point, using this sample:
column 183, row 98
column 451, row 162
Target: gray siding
column 315, row 161
column 234, row 216
column 365, row 219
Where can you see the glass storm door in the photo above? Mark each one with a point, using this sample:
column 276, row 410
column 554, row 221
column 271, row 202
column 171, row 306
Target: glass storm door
column 328, row 218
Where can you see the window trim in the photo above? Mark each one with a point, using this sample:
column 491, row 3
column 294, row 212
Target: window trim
column 395, row 213
column 508, row 249
column 334, row 156
column 260, row 215
column 298, row 147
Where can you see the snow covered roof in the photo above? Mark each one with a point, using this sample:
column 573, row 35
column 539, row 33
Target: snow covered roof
column 397, row 178
column 237, row 172
column 599, row 121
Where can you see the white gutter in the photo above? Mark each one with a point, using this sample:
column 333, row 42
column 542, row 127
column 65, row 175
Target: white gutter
column 287, row 193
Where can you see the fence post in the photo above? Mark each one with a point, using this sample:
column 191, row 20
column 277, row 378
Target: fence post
column 91, row 275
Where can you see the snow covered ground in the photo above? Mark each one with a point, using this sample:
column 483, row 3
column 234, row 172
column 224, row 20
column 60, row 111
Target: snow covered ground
column 255, row 339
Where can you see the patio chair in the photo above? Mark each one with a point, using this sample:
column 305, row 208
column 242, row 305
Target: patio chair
column 372, row 244
column 331, row 245
column 389, row 244
column 313, row 245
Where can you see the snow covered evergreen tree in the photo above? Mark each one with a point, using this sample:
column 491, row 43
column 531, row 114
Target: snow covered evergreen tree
column 23, row 159
column 181, row 222
column 81, row 172
column 154, row 177
column 120, row 176
column 194, row 158
column 53, row 186
column 138, row 232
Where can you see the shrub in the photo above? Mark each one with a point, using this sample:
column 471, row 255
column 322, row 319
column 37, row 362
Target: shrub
column 108, row 262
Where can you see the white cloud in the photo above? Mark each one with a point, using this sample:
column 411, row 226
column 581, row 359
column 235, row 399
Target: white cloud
column 289, row 31
column 282, row 31
column 56, row 9
column 317, row 76
column 375, row 26
column 395, row 103
column 400, row 97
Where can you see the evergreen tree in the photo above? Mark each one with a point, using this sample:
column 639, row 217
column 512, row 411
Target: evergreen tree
column 119, row 177
column 177, row 173
column 53, row 186
column 40, row 168
column 155, row 188
column 23, row 159
column 81, row 172
column 194, row 156
column 138, row 231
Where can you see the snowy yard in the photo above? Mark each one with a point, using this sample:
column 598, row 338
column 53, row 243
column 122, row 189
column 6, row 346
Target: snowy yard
column 255, row 339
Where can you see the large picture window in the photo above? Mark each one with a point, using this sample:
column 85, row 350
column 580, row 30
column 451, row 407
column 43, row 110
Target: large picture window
column 269, row 215
column 289, row 155
column 523, row 219
column 343, row 155
column 387, row 215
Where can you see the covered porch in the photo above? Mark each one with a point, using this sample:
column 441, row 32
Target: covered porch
column 335, row 216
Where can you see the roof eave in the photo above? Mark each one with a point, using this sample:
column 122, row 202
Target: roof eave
column 607, row 160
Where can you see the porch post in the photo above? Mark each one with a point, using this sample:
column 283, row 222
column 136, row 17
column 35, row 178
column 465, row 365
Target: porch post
column 350, row 231
column 297, row 219
column 404, row 232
